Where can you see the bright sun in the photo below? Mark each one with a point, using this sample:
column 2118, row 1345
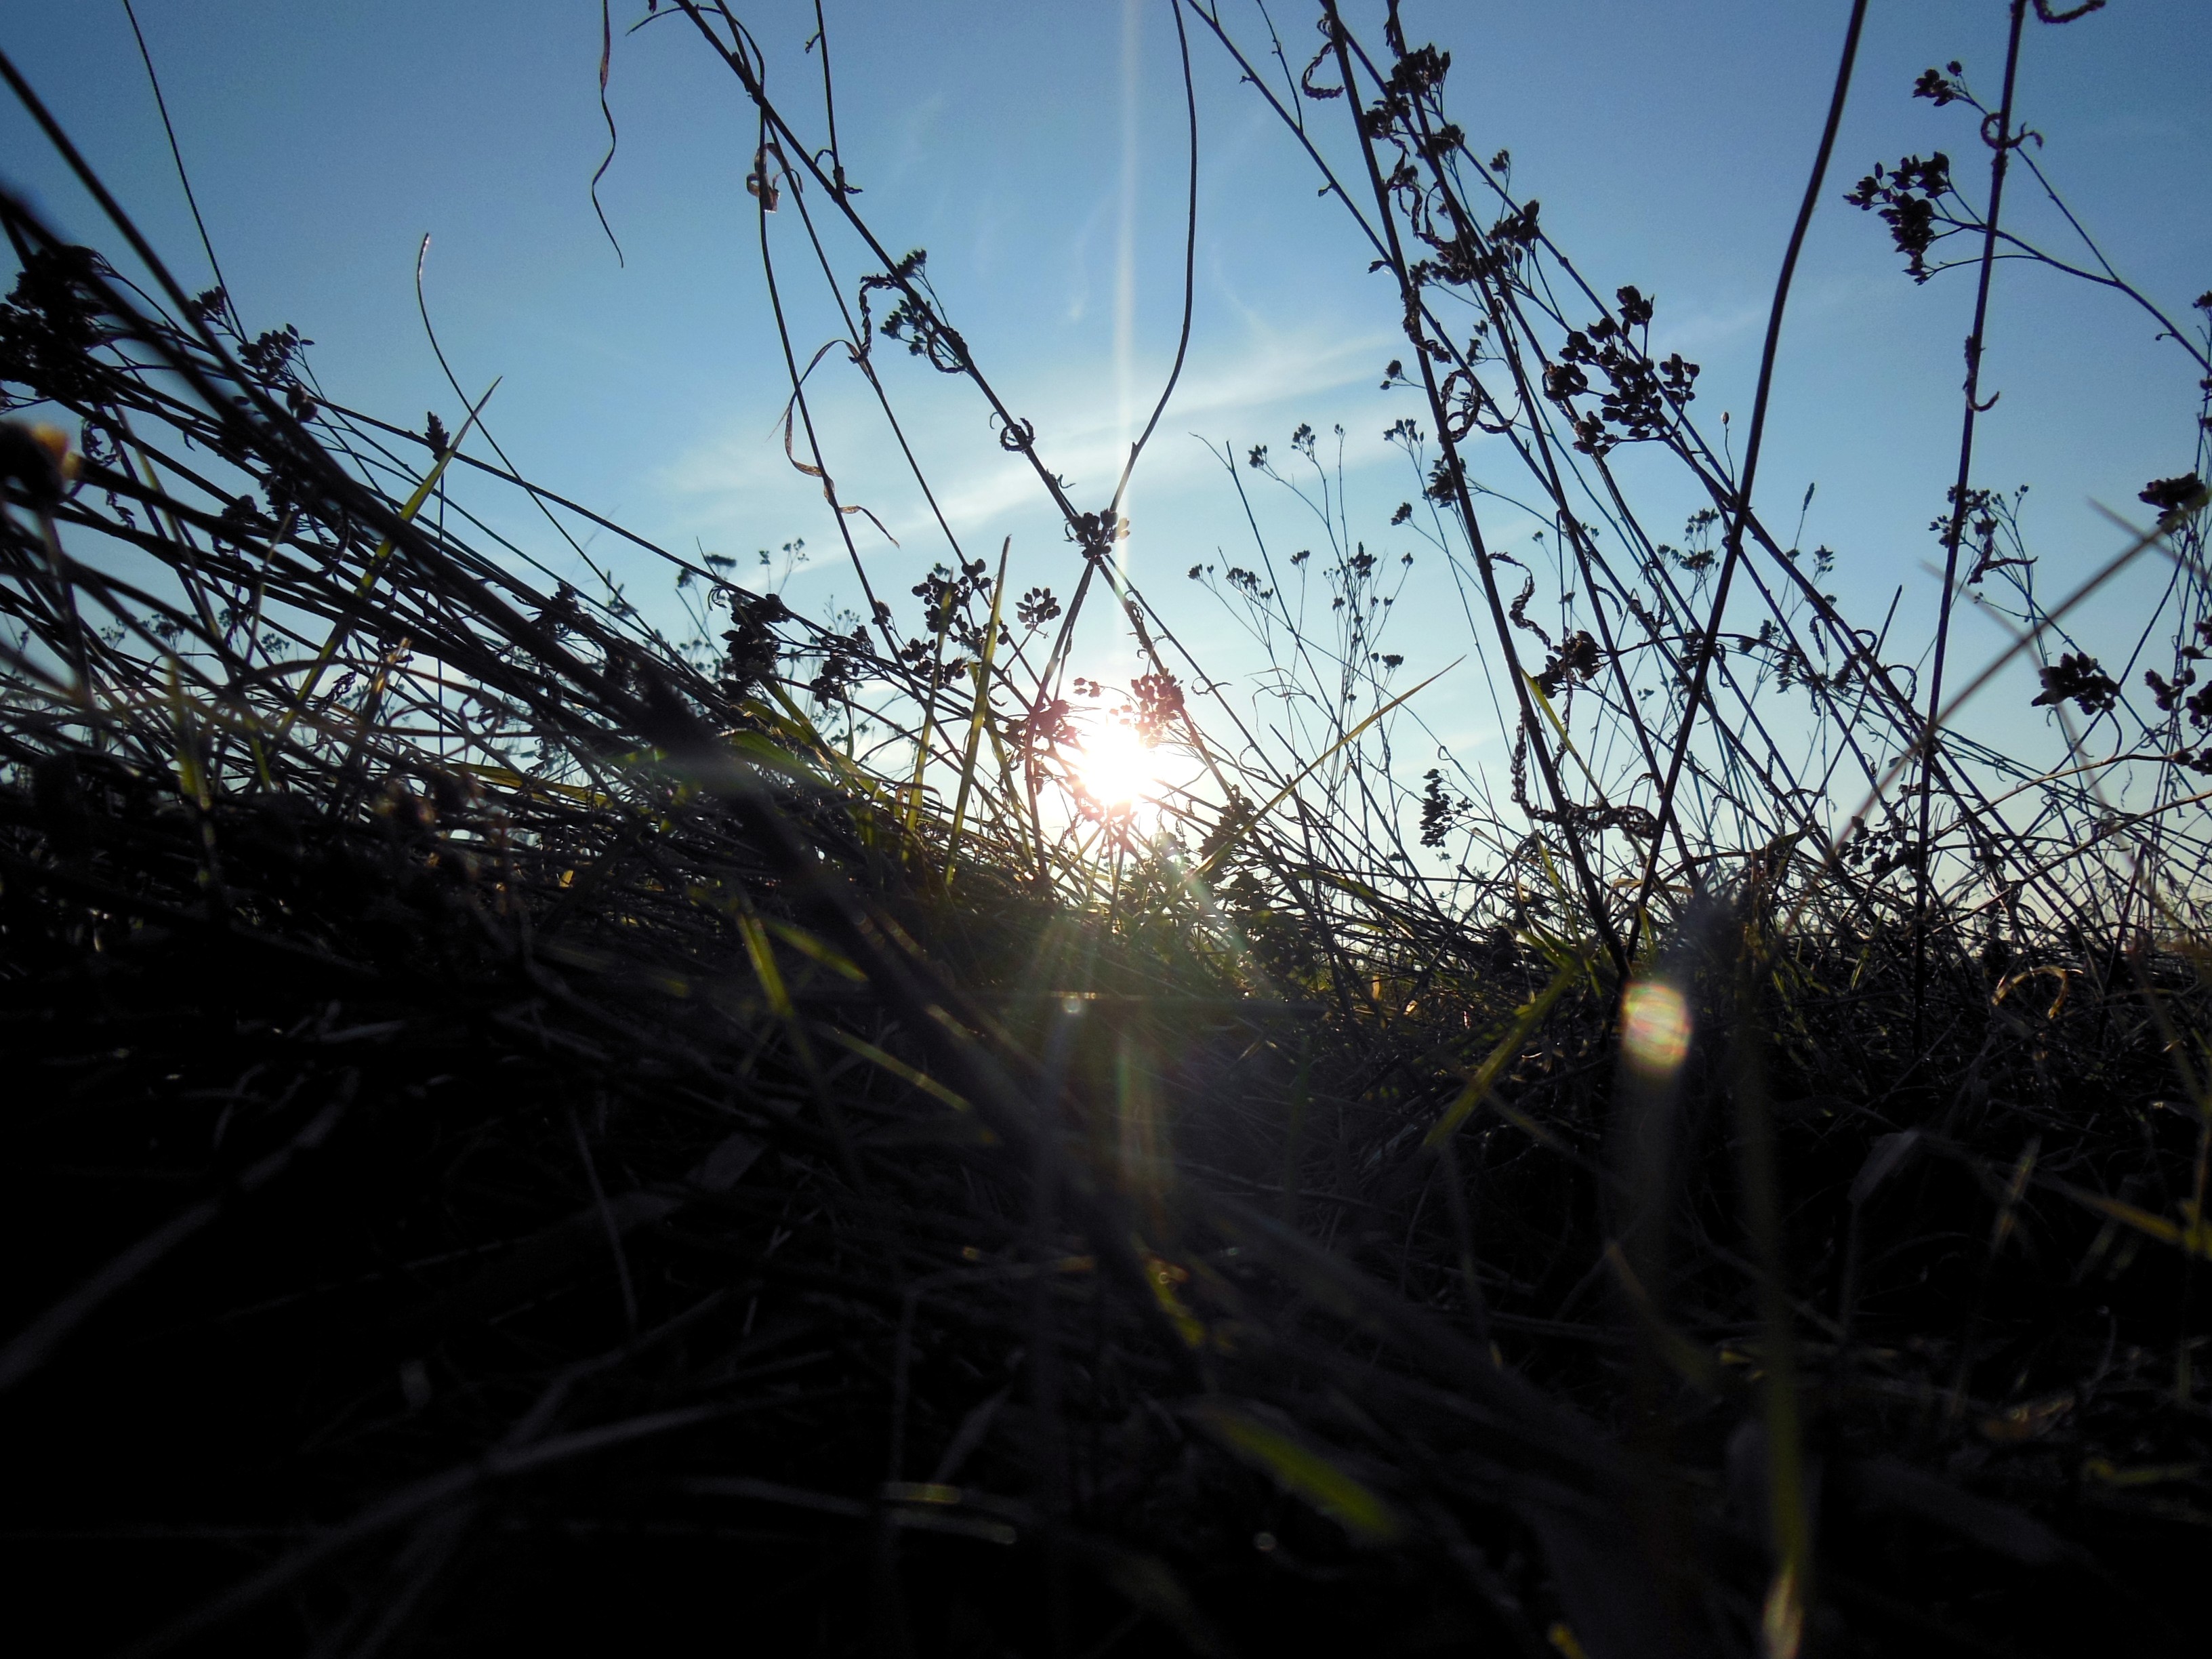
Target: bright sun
column 1116, row 768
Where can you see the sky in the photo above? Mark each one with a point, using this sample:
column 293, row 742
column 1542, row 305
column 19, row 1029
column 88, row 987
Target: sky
column 1037, row 151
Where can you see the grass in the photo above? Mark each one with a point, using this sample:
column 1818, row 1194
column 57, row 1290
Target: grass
column 528, row 1131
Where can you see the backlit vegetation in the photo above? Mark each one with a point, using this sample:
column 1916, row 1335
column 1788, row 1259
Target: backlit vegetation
column 530, row 1126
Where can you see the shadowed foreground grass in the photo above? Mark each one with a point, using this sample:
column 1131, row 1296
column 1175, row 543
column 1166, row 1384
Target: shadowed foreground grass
column 427, row 1236
column 519, row 1138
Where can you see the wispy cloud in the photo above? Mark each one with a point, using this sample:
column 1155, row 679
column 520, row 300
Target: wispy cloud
column 1078, row 258
column 741, row 468
column 914, row 134
column 1705, row 326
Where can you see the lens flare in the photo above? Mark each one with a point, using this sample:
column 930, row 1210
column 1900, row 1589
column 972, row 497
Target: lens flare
column 1654, row 1027
column 1115, row 767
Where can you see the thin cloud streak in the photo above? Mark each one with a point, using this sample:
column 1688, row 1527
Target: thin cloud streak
column 742, row 469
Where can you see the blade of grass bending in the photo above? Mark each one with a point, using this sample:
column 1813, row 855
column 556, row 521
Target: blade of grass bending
column 1204, row 869
column 859, row 787
column 807, row 946
column 1682, row 1356
column 368, row 575
column 981, row 715
column 801, row 739
column 1555, row 947
column 898, row 1068
column 2192, row 1234
column 761, row 954
column 1531, row 1014
column 509, row 780
column 1025, row 804
column 192, row 785
column 1302, row 1469
column 1544, row 702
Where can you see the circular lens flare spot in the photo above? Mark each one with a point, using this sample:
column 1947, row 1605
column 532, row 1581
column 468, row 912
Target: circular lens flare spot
column 1654, row 1027
column 1115, row 767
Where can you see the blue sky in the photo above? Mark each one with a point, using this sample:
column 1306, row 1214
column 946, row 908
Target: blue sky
column 1036, row 150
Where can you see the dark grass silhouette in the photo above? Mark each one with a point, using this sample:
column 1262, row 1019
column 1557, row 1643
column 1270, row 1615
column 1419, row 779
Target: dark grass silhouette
column 525, row 1130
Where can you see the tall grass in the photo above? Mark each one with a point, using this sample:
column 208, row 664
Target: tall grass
column 529, row 1129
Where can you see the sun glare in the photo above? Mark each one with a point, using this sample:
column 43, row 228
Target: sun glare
column 1115, row 767
column 1654, row 1027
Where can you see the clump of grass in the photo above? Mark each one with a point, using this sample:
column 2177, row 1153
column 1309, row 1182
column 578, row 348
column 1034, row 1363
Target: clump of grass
column 527, row 1129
